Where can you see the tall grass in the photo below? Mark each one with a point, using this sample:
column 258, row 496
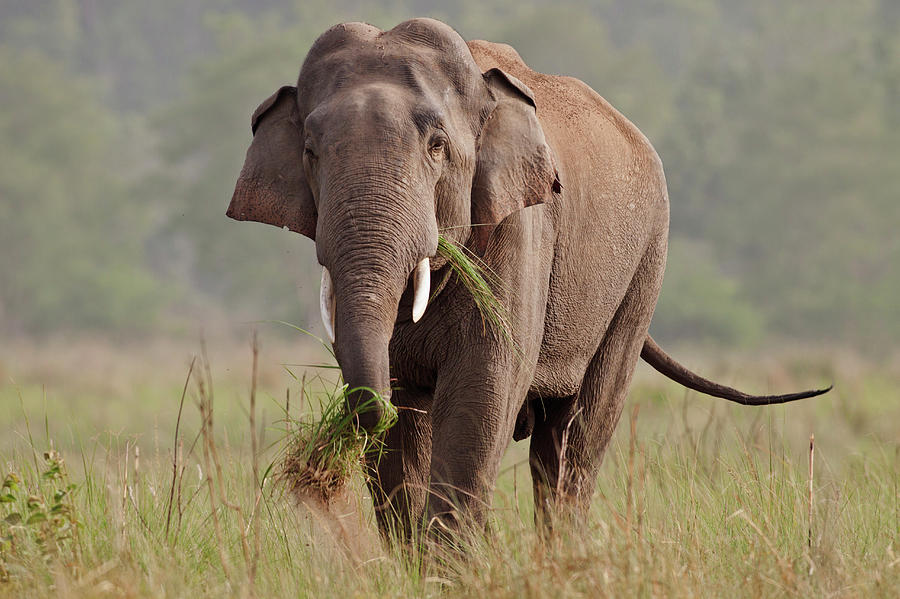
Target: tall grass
column 694, row 499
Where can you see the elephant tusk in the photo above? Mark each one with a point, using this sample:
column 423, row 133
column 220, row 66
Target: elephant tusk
column 422, row 285
column 326, row 303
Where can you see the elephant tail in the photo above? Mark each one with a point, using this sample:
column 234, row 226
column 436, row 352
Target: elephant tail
column 654, row 355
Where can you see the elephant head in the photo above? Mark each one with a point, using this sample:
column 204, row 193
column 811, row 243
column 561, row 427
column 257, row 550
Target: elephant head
column 388, row 139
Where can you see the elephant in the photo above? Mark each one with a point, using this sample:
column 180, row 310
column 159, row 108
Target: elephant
column 393, row 138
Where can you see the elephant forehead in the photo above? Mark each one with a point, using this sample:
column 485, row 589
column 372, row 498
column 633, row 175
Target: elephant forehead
column 347, row 67
column 391, row 111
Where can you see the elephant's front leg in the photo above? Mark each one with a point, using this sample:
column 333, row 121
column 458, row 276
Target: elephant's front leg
column 398, row 475
column 484, row 375
column 473, row 416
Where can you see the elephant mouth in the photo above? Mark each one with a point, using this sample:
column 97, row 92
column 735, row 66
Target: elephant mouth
column 440, row 276
column 420, row 290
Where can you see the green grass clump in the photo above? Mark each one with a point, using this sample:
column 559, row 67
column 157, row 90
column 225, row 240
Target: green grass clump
column 479, row 281
column 38, row 519
column 323, row 453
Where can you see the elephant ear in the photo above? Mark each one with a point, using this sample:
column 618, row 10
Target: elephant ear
column 515, row 166
column 272, row 186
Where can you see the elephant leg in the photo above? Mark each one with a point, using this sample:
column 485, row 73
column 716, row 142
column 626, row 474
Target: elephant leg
column 398, row 477
column 472, row 428
column 476, row 403
column 551, row 417
column 483, row 378
column 600, row 400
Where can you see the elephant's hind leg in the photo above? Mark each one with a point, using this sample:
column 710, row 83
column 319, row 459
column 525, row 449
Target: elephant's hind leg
column 587, row 426
column 551, row 415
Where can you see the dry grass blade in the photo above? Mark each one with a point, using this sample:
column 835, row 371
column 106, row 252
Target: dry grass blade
column 812, row 450
column 254, row 448
column 176, row 447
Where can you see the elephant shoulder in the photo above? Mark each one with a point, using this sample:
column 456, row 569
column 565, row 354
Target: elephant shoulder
column 593, row 108
column 565, row 98
column 491, row 55
column 571, row 112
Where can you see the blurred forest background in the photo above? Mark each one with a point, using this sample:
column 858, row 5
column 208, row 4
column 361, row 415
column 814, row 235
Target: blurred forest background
column 123, row 126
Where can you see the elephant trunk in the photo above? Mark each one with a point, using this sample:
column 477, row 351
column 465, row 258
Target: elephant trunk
column 365, row 308
column 370, row 256
column 362, row 353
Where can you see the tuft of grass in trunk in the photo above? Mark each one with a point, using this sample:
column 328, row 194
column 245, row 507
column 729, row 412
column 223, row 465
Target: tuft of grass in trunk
column 479, row 281
column 323, row 454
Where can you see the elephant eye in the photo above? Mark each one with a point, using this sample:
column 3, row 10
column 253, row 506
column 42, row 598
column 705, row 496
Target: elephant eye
column 437, row 146
column 309, row 153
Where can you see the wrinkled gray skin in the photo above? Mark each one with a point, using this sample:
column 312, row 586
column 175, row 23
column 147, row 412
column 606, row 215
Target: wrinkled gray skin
column 392, row 137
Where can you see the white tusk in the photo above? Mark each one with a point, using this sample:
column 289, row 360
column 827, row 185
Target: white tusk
column 422, row 285
column 326, row 303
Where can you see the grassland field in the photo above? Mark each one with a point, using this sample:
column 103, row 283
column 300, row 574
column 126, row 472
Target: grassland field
column 696, row 497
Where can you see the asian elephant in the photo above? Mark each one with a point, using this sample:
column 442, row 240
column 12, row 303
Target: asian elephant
column 391, row 138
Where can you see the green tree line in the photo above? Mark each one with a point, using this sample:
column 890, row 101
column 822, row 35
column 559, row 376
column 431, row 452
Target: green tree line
column 123, row 127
